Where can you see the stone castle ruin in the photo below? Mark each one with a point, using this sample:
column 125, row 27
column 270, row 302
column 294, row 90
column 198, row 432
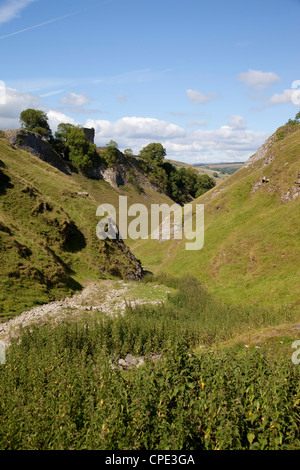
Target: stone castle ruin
column 89, row 134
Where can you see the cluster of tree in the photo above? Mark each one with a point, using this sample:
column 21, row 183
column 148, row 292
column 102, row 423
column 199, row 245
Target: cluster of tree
column 177, row 183
column 294, row 122
column 70, row 142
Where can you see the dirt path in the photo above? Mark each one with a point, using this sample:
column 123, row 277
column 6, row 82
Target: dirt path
column 105, row 297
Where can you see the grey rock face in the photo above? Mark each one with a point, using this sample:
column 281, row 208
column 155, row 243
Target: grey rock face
column 37, row 146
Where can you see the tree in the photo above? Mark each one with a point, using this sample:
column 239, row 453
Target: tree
column 36, row 121
column 71, row 143
column 154, row 152
column 62, row 131
column 111, row 154
column 82, row 153
column 204, row 184
column 186, row 182
column 128, row 152
column 294, row 122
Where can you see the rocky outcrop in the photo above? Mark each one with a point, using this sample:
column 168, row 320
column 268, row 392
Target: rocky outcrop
column 263, row 153
column 130, row 361
column 36, row 145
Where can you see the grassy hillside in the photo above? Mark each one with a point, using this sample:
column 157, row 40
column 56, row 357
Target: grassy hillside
column 48, row 242
column 251, row 252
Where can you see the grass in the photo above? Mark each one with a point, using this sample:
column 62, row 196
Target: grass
column 48, row 242
column 58, row 390
column 251, row 248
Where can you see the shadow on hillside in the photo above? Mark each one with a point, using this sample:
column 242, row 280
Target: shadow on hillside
column 74, row 285
column 4, row 180
column 74, row 239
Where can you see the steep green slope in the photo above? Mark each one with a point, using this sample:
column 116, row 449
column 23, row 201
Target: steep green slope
column 48, row 242
column 252, row 235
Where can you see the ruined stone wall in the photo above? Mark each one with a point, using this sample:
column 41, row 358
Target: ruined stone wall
column 89, row 134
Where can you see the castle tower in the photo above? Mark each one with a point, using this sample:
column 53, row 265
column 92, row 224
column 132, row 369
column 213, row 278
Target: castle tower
column 89, row 134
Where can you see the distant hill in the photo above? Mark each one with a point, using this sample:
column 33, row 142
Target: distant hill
column 252, row 233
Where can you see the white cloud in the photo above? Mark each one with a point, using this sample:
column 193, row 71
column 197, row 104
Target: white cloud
column 237, row 122
column 55, row 118
column 131, row 128
column 258, row 80
column 12, row 8
column 15, row 102
column 231, row 142
column 74, row 99
column 196, row 97
column 285, row 97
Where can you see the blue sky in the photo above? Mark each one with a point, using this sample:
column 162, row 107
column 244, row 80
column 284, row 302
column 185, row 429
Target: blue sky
column 209, row 80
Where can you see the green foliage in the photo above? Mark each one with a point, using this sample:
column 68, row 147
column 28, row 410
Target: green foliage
column 36, row 121
column 153, row 152
column 180, row 184
column 184, row 182
column 280, row 136
column 62, row 131
column 58, row 390
column 294, row 122
column 111, row 154
column 72, row 144
column 82, row 154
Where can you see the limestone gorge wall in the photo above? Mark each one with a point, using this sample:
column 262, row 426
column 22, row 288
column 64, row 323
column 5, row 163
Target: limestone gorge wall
column 120, row 174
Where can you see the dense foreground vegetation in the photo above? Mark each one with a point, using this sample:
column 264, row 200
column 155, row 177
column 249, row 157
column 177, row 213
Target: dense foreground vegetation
column 58, row 389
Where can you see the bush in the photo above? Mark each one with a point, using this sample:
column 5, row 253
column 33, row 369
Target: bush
column 59, row 392
column 58, row 389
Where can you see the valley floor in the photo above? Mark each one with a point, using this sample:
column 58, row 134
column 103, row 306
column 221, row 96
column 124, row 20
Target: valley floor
column 103, row 297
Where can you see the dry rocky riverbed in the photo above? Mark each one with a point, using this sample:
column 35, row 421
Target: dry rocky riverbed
column 103, row 297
